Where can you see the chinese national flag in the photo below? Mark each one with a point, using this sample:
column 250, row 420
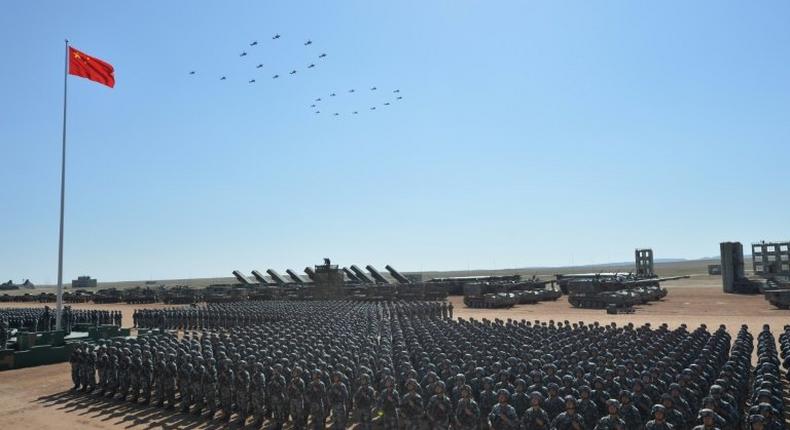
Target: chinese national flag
column 82, row 64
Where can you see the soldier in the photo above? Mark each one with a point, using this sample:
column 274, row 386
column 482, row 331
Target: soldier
column 317, row 400
column 75, row 360
column 113, row 381
column 503, row 416
column 170, row 376
column 708, row 421
column 629, row 413
column 612, row 421
column 450, row 309
column 135, row 377
column 569, row 420
column 89, row 369
column 440, row 408
column 770, row 421
column 296, row 393
column 673, row 416
column 185, row 385
column 258, row 394
column 209, row 382
column 124, row 373
column 102, row 365
column 659, row 421
column 756, row 422
column 388, row 402
column 488, row 399
column 587, row 408
column 277, row 397
column 467, row 413
column 197, row 386
column 554, row 405
column 158, row 368
column 338, row 398
column 520, row 400
column 242, row 388
column 412, row 406
column 227, row 382
column 535, row 418
column 363, row 401
column 5, row 331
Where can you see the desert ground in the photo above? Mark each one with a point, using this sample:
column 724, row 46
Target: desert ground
column 39, row 397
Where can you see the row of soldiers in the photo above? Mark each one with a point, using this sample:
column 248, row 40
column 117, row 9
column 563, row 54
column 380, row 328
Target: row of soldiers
column 43, row 319
column 243, row 314
column 343, row 362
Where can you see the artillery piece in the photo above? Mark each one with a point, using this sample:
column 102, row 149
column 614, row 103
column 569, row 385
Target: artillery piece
column 488, row 295
column 603, row 290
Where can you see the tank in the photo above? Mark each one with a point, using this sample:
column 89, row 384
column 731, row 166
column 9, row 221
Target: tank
column 488, row 295
column 603, row 291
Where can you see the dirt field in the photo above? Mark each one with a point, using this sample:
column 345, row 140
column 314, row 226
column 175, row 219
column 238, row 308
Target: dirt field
column 39, row 398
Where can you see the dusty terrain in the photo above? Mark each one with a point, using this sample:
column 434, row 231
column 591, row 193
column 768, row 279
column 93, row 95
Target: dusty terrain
column 39, row 397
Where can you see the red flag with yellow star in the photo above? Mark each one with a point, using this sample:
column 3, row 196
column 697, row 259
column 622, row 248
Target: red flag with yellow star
column 82, row 64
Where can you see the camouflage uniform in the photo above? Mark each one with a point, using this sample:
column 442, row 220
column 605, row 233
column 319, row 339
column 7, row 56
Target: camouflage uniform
column 296, row 392
column 412, row 406
column 259, row 395
column 503, row 416
column 277, row 400
column 388, row 402
column 467, row 413
column 363, row 402
column 227, row 382
column 338, row 398
column 185, row 385
column 243, row 393
column 75, row 360
column 317, row 401
column 439, row 409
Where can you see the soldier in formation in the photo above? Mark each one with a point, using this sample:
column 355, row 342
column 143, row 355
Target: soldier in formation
column 404, row 365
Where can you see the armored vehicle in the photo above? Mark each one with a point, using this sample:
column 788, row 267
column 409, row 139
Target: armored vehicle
column 139, row 296
column 488, row 295
column 777, row 292
column 601, row 291
column 108, row 295
column 180, row 295
column 534, row 290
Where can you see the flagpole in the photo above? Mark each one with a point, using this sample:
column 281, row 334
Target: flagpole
column 59, row 309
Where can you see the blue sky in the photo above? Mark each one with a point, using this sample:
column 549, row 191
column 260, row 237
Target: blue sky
column 530, row 133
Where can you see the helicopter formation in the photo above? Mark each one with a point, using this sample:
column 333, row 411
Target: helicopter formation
column 396, row 97
column 364, row 100
column 254, row 44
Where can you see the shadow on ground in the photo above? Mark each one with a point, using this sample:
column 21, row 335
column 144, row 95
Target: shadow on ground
column 130, row 415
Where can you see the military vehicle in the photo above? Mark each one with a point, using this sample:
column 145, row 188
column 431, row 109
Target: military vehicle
column 455, row 284
column 180, row 295
column 139, row 296
column 108, row 295
column 488, row 295
column 777, row 292
column 602, row 290
column 535, row 290
column 225, row 293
